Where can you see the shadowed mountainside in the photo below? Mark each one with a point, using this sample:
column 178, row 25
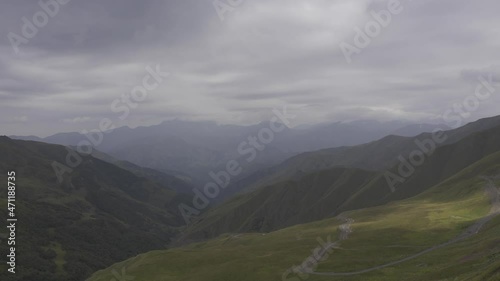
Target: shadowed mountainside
column 99, row 214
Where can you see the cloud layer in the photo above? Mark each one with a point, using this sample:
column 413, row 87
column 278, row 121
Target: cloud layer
column 262, row 55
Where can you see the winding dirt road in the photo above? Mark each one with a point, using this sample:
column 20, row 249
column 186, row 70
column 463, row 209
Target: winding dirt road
column 492, row 191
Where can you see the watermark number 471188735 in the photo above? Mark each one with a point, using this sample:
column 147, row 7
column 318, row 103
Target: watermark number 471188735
column 11, row 221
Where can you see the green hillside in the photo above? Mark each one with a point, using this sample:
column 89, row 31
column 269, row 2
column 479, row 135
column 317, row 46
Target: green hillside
column 379, row 236
column 98, row 215
column 319, row 195
column 313, row 197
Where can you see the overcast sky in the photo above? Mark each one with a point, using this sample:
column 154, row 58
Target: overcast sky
column 264, row 54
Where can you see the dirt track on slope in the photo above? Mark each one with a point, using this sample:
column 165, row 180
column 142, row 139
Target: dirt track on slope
column 494, row 195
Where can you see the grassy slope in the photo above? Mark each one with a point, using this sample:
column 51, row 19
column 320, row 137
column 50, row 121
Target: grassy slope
column 380, row 235
column 319, row 195
column 288, row 203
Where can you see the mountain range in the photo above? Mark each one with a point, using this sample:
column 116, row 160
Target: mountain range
column 311, row 190
column 448, row 232
column 116, row 214
column 191, row 150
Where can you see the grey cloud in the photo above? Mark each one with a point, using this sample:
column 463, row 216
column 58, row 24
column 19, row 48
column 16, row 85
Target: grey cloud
column 265, row 54
column 472, row 75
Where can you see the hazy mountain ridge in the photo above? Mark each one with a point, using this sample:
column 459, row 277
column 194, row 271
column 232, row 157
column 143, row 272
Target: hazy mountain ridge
column 377, row 155
column 273, row 206
column 196, row 148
